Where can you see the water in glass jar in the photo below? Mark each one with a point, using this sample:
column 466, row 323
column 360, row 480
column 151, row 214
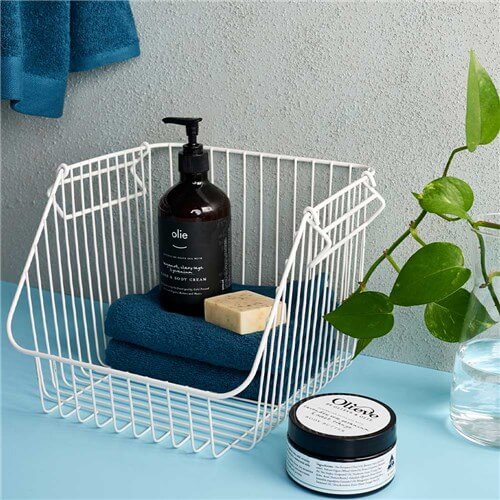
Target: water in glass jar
column 475, row 392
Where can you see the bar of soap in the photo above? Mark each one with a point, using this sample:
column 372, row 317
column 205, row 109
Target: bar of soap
column 242, row 312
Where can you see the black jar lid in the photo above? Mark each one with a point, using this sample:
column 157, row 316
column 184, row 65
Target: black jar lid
column 342, row 426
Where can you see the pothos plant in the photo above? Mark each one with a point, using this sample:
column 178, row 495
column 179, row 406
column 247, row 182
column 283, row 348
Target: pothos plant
column 434, row 275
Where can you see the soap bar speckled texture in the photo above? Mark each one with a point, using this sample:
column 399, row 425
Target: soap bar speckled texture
column 242, row 312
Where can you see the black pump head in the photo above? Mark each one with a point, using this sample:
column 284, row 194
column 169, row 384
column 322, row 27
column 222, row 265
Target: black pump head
column 191, row 125
column 192, row 159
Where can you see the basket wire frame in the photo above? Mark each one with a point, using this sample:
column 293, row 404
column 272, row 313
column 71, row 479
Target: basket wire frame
column 97, row 242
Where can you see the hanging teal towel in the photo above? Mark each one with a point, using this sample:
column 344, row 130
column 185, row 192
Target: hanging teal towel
column 42, row 41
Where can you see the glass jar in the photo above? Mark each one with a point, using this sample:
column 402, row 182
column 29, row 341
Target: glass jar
column 475, row 391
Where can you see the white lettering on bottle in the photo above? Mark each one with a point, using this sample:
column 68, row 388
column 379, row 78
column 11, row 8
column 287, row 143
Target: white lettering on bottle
column 178, row 234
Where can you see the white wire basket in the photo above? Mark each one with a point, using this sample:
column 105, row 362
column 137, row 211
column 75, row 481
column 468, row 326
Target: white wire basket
column 297, row 223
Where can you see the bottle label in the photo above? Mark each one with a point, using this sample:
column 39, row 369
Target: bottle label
column 195, row 258
column 341, row 478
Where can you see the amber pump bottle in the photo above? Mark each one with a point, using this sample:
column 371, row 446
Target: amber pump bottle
column 194, row 232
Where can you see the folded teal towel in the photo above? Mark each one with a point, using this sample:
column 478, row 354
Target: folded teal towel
column 132, row 358
column 187, row 350
column 140, row 320
column 42, row 41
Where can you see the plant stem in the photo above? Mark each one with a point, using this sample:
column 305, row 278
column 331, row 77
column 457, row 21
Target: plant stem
column 488, row 278
column 392, row 261
column 449, row 219
column 416, row 237
column 389, row 251
column 484, row 271
column 485, row 223
column 413, row 225
column 494, row 274
column 491, row 276
column 450, row 159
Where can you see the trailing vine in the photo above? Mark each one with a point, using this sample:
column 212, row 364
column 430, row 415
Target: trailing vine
column 434, row 275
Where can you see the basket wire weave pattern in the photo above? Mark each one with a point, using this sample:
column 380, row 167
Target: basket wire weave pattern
column 297, row 223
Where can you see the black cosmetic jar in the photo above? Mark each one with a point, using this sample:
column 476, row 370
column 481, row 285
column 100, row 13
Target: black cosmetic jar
column 341, row 444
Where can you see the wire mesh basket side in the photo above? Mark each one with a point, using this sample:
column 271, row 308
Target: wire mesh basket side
column 97, row 242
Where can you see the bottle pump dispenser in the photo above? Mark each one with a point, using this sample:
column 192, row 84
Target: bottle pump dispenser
column 192, row 158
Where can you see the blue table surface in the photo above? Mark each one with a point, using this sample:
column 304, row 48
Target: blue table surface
column 44, row 456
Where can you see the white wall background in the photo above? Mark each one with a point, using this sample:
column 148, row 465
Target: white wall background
column 381, row 83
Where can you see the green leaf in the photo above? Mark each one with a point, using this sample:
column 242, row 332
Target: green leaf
column 366, row 315
column 457, row 318
column 361, row 346
column 482, row 119
column 447, row 196
column 432, row 273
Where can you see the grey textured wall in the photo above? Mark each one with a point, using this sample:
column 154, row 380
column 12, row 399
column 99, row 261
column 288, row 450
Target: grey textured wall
column 376, row 83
